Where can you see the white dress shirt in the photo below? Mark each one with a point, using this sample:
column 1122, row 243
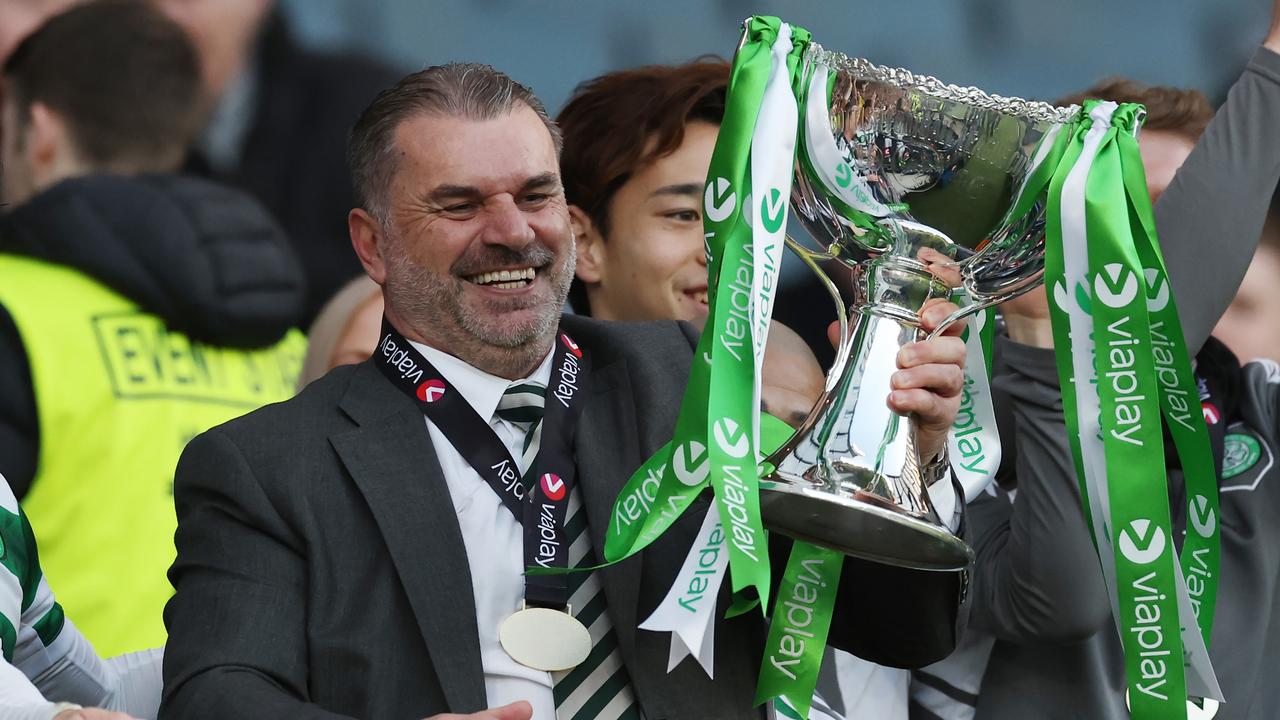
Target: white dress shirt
column 493, row 538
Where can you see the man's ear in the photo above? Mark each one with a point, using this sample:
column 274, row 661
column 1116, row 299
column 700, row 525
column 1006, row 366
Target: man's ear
column 368, row 239
column 592, row 258
column 50, row 152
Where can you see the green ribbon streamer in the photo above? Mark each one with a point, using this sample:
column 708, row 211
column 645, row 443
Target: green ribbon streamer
column 665, row 485
column 1142, row 371
column 1179, row 397
column 798, row 631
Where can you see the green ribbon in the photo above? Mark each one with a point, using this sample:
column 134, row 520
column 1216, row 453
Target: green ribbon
column 799, row 628
column 1121, row 354
column 665, row 485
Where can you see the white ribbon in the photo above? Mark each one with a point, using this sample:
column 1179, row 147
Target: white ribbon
column 773, row 153
column 973, row 444
column 688, row 610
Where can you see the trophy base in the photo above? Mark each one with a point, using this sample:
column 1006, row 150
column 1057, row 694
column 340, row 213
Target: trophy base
column 867, row 528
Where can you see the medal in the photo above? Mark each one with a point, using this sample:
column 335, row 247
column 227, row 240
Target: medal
column 545, row 639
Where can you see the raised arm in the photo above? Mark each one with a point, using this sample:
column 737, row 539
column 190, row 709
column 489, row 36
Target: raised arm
column 1211, row 215
column 237, row 646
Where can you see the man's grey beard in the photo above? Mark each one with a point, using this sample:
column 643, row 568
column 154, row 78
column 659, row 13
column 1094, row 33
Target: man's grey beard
column 421, row 297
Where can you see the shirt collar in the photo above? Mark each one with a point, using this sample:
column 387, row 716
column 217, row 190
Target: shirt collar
column 481, row 390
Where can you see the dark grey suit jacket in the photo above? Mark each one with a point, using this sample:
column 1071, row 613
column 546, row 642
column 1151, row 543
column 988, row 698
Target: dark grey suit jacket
column 321, row 574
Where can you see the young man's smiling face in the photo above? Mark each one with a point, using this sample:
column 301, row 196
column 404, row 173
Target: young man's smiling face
column 649, row 262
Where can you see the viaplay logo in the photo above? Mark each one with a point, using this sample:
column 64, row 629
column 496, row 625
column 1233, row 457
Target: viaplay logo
column 1201, row 516
column 691, row 463
column 730, row 438
column 571, row 345
column 431, row 390
column 844, row 175
column 772, row 210
column 552, row 486
column 1157, row 290
column 719, row 200
column 1144, row 545
column 1063, row 299
column 1117, row 292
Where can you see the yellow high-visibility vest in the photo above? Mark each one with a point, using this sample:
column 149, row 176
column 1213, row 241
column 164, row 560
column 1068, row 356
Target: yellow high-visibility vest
column 118, row 395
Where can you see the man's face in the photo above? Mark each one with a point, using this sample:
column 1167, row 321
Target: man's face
column 652, row 264
column 479, row 252
column 1163, row 152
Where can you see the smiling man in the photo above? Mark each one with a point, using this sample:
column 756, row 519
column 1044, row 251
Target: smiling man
column 637, row 147
column 359, row 551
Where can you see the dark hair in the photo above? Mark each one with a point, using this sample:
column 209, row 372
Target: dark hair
column 465, row 90
column 616, row 124
column 124, row 78
column 1185, row 112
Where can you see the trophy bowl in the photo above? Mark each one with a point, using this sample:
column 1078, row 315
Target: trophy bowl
column 888, row 163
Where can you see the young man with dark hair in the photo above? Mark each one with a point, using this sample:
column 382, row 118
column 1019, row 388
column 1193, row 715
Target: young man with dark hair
column 637, row 144
column 137, row 308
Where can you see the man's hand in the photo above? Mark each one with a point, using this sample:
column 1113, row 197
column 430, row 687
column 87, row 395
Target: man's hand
column 515, row 711
column 930, row 378
column 91, row 714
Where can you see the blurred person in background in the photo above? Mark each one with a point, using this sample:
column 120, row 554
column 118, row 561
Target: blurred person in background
column 1042, row 641
column 137, row 307
column 278, row 116
column 346, row 330
column 1250, row 327
column 48, row 670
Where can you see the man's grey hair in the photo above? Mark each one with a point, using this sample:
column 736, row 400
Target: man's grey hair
column 462, row 90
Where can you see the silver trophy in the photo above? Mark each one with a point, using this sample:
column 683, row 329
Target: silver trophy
column 889, row 162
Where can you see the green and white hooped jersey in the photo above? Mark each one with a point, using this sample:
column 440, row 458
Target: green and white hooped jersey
column 30, row 619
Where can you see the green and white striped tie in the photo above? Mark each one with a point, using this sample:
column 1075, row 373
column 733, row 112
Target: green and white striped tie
column 599, row 688
column 522, row 405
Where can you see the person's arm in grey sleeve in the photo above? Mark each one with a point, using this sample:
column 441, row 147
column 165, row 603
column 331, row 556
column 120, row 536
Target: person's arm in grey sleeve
column 1037, row 578
column 237, row 643
column 1210, row 217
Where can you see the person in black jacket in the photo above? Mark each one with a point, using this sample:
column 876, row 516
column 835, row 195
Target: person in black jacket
column 278, row 127
column 175, row 297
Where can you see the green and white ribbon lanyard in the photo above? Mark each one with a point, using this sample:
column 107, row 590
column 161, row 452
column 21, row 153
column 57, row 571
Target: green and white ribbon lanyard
column 1123, row 364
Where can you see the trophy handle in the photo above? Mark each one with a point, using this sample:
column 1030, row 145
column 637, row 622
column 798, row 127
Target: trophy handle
column 987, row 301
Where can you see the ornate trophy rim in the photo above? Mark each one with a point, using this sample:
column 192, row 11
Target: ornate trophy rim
column 929, row 85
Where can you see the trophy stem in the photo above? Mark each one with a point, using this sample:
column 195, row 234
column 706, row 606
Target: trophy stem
column 850, row 478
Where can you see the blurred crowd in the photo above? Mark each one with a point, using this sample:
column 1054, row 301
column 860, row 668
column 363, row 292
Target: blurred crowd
column 190, row 230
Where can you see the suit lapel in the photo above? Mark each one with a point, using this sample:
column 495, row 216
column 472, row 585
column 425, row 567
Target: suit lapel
column 392, row 462
column 608, row 451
